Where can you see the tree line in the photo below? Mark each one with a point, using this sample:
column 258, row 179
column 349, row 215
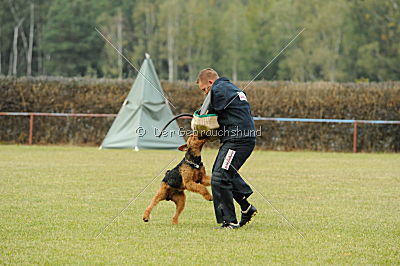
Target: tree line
column 344, row 40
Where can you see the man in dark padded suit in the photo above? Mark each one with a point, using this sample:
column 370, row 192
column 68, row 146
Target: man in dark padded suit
column 237, row 136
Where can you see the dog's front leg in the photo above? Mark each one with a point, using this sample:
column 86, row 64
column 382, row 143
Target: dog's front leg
column 198, row 188
column 206, row 180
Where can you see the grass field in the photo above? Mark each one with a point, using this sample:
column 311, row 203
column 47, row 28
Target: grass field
column 55, row 199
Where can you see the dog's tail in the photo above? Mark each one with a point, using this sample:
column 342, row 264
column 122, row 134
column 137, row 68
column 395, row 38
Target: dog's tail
column 185, row 115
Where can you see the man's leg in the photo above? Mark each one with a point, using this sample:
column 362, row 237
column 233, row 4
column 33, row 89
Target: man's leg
column 221, row 185
column 223, row 198
column 241, row 190
column 227, row 184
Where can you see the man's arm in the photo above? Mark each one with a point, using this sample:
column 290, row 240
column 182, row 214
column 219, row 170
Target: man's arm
column 206, row 104
column 218, row 98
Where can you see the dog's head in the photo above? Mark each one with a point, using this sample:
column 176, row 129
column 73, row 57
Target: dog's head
column 194, row 142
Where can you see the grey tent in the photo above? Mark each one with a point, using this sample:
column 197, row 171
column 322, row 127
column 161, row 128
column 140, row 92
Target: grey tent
column 142, row 116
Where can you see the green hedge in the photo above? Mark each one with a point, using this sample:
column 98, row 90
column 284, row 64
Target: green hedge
column 362, row 101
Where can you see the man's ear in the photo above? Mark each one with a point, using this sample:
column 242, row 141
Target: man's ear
column 184, row 147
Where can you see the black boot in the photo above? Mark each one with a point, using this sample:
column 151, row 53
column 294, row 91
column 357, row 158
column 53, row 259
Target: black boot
column 247, row 215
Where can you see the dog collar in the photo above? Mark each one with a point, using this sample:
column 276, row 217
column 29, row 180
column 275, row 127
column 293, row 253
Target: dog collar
column 194, row 165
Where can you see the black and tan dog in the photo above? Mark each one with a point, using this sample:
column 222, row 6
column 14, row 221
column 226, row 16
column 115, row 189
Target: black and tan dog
column 188, row 174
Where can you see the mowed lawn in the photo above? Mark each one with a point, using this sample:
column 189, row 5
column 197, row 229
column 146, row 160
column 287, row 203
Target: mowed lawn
column 54, row 200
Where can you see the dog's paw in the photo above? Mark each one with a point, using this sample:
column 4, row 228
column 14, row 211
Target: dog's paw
column 208, row 197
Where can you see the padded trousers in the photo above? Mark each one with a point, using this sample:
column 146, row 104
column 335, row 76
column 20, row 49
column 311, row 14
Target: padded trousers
column 227, row 185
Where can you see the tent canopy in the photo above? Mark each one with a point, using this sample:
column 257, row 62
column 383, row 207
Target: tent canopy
column 142, row 116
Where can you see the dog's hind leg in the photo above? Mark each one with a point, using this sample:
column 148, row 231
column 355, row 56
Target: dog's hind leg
column 179, row 199
column 162, row 194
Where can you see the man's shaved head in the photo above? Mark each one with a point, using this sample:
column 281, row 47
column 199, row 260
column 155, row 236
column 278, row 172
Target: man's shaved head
column 207, row 74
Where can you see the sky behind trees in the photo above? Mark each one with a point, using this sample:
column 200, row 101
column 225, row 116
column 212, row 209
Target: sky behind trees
column 344, row 40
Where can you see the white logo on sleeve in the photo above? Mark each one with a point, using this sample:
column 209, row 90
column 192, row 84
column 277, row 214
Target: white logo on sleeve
column 242, row 96
column 228, row 159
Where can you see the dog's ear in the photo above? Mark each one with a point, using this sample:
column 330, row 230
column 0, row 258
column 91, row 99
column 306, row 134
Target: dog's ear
column 184, row 147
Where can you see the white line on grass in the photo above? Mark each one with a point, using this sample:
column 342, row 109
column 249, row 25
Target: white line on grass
column 120, row 53
column 270, row 62
column 281, row 214
column 135, row 198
